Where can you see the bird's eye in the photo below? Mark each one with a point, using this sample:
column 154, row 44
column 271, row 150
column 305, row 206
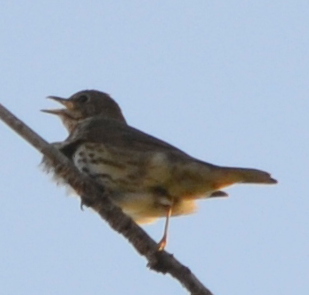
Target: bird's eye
column 83, row 98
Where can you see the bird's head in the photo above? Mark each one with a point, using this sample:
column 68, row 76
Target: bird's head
column 85, row 104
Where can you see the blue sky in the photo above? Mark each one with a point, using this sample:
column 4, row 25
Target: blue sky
column 225, row 81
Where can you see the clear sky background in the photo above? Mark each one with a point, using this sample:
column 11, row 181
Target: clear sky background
column 225, row 81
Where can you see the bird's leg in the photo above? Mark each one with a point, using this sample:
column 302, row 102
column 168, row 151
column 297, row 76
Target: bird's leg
column 162, row 244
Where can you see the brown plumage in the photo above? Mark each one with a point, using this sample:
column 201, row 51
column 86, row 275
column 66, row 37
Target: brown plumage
column 85, row 104
column 149, row 177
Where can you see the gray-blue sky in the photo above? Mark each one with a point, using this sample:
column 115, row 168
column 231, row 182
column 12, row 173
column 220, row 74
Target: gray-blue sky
column 226, row 81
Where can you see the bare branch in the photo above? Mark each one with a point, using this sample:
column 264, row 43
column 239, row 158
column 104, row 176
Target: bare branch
column 93, row 196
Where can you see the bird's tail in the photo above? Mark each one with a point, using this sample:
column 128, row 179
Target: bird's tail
column 229, row 175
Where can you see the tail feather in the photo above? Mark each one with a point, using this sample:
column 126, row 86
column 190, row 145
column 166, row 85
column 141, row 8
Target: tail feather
column 231, row 175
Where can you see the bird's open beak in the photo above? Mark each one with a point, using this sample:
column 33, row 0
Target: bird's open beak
column 54, row 112
column 67, row 103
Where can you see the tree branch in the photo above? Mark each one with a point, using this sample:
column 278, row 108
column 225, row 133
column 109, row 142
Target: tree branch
column 93, row 196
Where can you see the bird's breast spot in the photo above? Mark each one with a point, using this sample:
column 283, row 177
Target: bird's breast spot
column 85, row 169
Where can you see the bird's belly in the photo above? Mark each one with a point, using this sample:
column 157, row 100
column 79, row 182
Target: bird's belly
column 139, row 185
column 147, row 207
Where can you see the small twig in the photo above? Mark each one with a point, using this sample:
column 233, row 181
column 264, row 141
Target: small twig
column 92, row 195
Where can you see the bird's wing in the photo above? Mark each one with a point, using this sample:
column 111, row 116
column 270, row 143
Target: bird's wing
column 118, row 135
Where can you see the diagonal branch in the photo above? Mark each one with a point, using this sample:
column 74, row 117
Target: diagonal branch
column 93, row 196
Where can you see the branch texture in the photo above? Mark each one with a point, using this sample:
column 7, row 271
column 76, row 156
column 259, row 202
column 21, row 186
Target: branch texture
column 93, row 196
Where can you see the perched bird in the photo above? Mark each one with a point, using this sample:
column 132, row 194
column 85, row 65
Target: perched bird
column 149, row 178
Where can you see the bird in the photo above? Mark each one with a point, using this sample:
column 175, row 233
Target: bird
column 148, row 177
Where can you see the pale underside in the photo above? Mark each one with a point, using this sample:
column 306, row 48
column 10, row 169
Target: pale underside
column 145, row 184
